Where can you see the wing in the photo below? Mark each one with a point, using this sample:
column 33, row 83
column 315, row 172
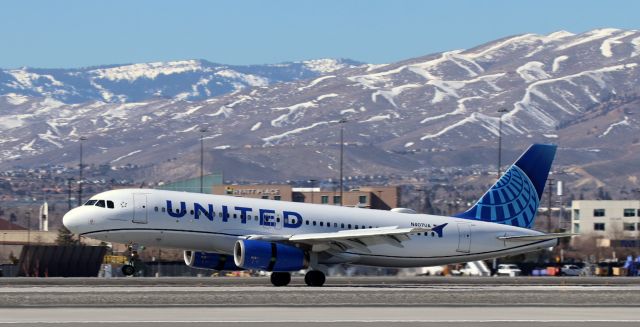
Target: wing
column 359, row 239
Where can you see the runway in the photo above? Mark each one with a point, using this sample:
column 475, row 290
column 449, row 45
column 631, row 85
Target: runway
column 372, row 301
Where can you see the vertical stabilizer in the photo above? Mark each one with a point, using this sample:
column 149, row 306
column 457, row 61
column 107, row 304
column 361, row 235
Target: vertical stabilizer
column 515, row 198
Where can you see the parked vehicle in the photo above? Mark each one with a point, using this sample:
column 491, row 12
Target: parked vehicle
column 510, row 270
column 570, row 270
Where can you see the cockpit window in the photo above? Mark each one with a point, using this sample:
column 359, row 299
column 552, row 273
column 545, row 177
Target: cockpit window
column 91, row 202
column 110, row 204
column 100, row 203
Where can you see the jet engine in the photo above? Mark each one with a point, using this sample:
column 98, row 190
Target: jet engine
column 269, row 256
column 207, row 260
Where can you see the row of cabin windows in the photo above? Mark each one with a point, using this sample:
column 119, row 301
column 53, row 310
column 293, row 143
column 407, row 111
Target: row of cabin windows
column 100, row 203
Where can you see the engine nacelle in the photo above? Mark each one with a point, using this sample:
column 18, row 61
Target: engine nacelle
column 207, row 260
column 269, row 256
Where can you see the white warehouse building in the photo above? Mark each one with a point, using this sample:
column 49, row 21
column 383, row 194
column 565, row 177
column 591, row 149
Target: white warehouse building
column 609, row 219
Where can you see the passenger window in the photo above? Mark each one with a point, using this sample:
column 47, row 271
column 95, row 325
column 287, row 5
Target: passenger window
column 433, row 234
column 91, row 202
column 100, row 203
column 321, row 224
column 356, row 226
column 342, row 225
column 256, row 218
column 155, row 209
column 335, row 225
column 110, row 204
column 192, row 212
column 307, row 222
column 221, row 215
column 278, row 219
column 235, row 216
column 163, row 209
column 314, row 223
column 349, row 226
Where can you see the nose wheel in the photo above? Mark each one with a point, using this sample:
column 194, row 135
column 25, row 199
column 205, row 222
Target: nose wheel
column 128, row 270
column 314, row 278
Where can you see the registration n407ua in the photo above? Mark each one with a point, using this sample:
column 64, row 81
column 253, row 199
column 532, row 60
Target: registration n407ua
column 232, row 233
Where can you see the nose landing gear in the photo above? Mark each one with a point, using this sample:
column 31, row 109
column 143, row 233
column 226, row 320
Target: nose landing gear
column 128, row 270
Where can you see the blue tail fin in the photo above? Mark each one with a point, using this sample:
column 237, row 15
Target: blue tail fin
column 514, row 199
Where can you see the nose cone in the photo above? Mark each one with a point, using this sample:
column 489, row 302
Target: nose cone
column 71, row 221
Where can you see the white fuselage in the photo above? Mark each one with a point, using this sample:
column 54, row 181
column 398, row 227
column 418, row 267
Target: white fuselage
column 141, row 216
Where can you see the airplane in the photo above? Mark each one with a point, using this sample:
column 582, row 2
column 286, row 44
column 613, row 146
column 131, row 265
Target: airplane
column 228, row 233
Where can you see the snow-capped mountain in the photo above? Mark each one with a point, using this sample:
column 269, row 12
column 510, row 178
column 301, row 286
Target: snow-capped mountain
column 186, row 80
column 577, row 90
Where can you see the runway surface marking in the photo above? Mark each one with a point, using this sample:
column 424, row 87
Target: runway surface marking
column 319, row 315
column 240, row 289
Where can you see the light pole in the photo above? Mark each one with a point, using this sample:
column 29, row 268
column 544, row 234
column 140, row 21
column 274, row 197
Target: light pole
column 341, row 122
column 80, row 181
column 501, row 111
column 202, row 131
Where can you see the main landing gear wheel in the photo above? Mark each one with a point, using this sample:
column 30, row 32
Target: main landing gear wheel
column 280, row 278
column 314, row 278
column 128, row 270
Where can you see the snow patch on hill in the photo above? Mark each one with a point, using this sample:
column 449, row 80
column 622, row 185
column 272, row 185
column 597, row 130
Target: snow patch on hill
column 607, row 44
column 624, row 122
column 146, row 70
column 557, row 61
column 532, row 71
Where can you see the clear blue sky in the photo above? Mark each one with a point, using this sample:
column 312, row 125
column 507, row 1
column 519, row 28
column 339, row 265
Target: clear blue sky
column 51, row 33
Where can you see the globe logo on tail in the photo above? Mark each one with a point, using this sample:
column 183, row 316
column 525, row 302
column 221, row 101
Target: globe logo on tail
column 513, row 200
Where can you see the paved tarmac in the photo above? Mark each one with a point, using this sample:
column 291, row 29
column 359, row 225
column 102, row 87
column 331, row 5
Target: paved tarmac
column 372, row 301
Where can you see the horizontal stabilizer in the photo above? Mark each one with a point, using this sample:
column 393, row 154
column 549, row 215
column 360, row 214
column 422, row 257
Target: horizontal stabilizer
column 541, row 237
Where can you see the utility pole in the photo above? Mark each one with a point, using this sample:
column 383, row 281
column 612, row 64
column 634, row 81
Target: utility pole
column 69, row 193
column 549, row 193
column 341, row 122
column 29, row 226
column 202, row 131
column 80, row 181
column 501, row 111
column 313, row 183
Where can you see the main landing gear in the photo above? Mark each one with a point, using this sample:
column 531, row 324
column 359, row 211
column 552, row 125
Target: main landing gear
column 279, row 278
column 312, row 278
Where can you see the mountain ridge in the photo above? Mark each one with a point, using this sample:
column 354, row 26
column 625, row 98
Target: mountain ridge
column 577, row 90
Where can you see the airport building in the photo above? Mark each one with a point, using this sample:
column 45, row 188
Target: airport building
column 611, row 220
column 193, row 184
column 383, row 198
